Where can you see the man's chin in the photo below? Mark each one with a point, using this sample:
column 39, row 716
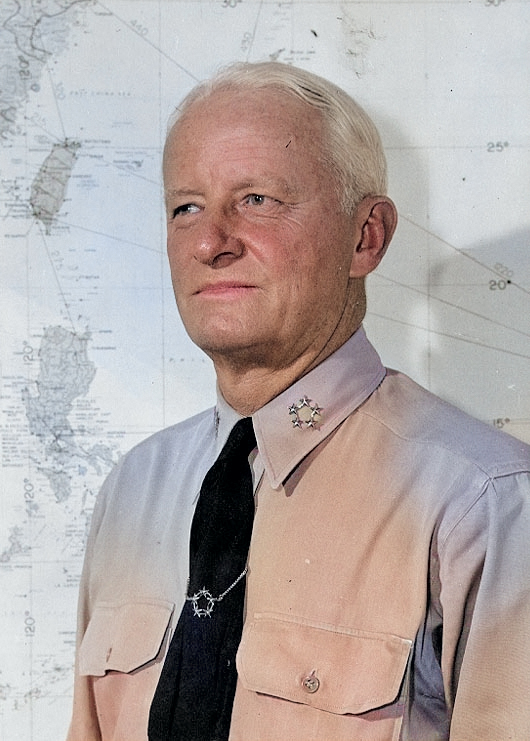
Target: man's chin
column 234, row 350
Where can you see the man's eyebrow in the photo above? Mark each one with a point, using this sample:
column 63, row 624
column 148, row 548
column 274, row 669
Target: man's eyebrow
column 268, row 181
column 265, row 181
column 173, row 192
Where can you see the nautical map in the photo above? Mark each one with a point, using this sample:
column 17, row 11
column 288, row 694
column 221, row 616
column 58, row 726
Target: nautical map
column 93, row 357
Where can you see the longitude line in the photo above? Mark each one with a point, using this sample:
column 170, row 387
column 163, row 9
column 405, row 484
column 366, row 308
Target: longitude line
column 147, row 41
column 61, row 122
column 48, row 72
column 260, row 6
column 54, row 271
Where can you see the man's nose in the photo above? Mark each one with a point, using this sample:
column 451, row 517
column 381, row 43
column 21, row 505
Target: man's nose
column 218, row 243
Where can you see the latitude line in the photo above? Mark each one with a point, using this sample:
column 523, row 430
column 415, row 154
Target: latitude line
column 433, row 297
column 449, row 335
column 462, row 253
column 124, row 168
column 108, row 236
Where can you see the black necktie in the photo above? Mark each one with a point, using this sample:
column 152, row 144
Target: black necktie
column 194, row 697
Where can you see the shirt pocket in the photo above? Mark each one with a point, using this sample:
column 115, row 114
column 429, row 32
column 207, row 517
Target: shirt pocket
column 124, row 636
column 336, row 669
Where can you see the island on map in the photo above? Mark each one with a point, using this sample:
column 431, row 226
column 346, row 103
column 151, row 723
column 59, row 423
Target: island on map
column 49, row 186
column 65, row 374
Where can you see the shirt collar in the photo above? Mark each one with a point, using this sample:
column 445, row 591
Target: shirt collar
column 337, row 386
column 225, row 419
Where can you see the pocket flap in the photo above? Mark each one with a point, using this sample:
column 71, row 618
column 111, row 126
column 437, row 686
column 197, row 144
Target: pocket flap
column 123, row 637
column 339, row 670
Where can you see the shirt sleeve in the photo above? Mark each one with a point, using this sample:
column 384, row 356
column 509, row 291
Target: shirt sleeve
column 485, row 604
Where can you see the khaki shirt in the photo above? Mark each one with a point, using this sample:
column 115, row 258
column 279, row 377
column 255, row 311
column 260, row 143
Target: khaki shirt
column 389, row 571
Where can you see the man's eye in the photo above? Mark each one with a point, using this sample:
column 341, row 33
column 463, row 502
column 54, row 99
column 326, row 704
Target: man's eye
column 186, row 208
column 255, row 199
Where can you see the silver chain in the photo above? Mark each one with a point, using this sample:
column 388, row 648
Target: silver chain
column 210, row 599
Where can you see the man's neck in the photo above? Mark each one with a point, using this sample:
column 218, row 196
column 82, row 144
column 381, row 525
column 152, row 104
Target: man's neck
column 247, row 389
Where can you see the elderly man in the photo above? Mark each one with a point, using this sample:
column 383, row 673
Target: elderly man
column 360, row 568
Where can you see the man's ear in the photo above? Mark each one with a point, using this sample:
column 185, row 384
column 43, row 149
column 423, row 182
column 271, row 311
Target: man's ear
column 375, row 222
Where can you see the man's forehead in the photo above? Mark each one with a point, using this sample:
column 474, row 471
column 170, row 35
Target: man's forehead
column 276, row 108
column 254, row 146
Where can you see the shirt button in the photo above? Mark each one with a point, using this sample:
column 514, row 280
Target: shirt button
column 311, row 683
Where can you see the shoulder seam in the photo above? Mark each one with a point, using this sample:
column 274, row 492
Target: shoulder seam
column 510, row 466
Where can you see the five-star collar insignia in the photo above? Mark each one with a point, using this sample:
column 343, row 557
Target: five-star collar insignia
column 305, row 414
column 204, row 608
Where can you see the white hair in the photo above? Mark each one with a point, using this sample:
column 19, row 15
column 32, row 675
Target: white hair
column 353, row 149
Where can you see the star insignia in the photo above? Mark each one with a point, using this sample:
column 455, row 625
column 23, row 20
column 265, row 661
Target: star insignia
column 305, row 414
